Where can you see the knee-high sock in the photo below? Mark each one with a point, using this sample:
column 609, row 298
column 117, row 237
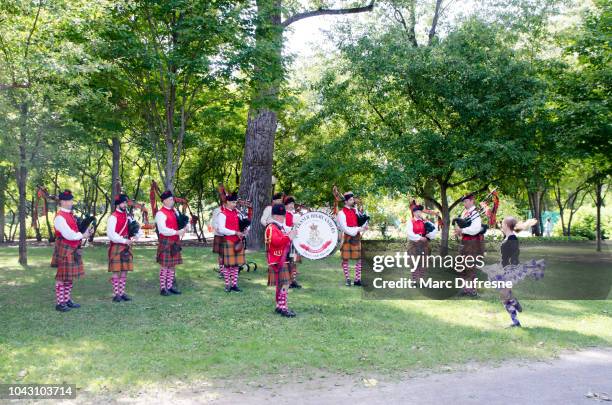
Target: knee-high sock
column 277, row 298
column 122, row 281
column 234, row 276
column 169, row 278
column 510, row 306
column 162, row 278
column 220, row 263
column 67, row 291
column 345, row 269
column 59, row 292
column 115, row 281
column 227, row 275
column 282, row 299
column 358, row 270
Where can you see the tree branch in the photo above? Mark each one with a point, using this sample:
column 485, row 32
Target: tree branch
column 327, row 11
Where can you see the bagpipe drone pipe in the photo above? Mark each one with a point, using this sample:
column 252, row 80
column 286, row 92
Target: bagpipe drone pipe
column 464, row 222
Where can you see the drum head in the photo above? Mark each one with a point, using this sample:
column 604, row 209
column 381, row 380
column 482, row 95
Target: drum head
column 317, row 235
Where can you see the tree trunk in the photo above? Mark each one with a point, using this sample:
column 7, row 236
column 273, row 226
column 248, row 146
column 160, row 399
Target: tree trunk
column 535, row 203
column 256, row 176
column 35, row 221
column 22, row 177
column 2, row 212
column 445, row 219
column 598, row 204
column 116, row 149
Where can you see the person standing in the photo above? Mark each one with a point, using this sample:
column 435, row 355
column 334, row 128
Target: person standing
column 169, row 244
column 472, row 242
column 351, row 243
column 233, row 243
column 291, row 219
column 420, row 232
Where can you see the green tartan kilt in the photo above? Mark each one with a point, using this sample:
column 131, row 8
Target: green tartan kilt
column 169, row 253
column 67, row 260
column 281, row 277
column 231, row 258
column 351, row 247
column 120, row 258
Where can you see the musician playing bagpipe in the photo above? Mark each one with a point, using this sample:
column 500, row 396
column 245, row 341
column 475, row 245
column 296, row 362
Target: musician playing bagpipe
column 67, row 253
column 169, row 243
column 233, row 242
column 420, row 232
column 121, row 230
column 349, row 223
column 278, row 245
column 218, row 238
column 266, row 216
column 291, row 218
column 469, row 227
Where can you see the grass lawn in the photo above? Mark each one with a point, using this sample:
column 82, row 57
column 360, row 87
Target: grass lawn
column 206, row 334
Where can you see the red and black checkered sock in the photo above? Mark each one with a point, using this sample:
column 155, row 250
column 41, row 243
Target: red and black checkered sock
column 122, row 281
column 234, row 276
column 59, row 292
column 169, row 278
column 294, row 272
column 358, row 270
column 67, row 291
column 277, row 297
column 283, row 299
column 115, row 282
column 220, row 263
column 227, row 275
column 345, row 269
column 162, row 278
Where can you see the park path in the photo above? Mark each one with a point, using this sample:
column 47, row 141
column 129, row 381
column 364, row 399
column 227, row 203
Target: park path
column 583, row 377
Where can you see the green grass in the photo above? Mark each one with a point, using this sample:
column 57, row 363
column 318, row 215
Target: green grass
column 206, row 334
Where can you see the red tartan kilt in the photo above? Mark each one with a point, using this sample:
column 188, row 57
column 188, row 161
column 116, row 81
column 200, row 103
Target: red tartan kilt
column 281, row 277
column 231, row 258
column 217, row 244
column 169, row 253
column 68, row 261
column 118, row 262
column 351, row 251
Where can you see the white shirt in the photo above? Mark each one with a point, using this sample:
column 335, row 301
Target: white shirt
column 221, row 225
column 349, row 230
column 160, row 221
column 476, row 226
column 266, row 216
column 214, row 221
column 61, row 225
column 416, row 237
column 111, row 229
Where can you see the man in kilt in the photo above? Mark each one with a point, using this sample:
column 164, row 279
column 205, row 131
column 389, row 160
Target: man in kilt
column 218, row 239
column 266, row 216
column 120, row 258
column 472, row 242
column 351, row 240
column 169, row 244
column 233, row 243
column 291, row 219
column 418, row 239
column 278, row 245
column 67, row 253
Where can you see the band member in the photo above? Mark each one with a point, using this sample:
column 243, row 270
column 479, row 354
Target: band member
column 420, row 232
column 218, row 239
column 120, row 257
column 169, row 244
column 472, row 241
column 291, row 218
column 67, row 253
column 233, row 243
column 351, row 244
column 266, row 216
column 509, row 269
column 278, row 246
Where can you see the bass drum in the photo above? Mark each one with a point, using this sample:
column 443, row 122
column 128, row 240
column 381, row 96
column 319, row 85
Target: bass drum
column 317, row 235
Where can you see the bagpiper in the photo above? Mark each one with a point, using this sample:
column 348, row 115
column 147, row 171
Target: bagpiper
column 266, row 216
column 169, row 244
column 218, row 239
column 471, row 242
column 233, row 243
column 278, row 245
column 291, row 219
column 120, row 257
column 351, row 243
column 67, row 253
column 420, row 232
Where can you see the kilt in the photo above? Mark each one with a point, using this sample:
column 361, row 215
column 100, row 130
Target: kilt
column 420, row 248
column 217, row 244
column 120, row 258
column 67, row 260
column 283, row 276
column 231, row 258
column 169, row 253
column 351, row 247
column 473, row 247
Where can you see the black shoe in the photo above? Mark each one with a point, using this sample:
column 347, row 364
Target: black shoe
column 62, row 308
column 294, row 284
column 515, row 325
column 236, row 288
column 357, row 283
column 117, row 298
column 71, row 304
column 173, row 290
column 277, row 310
column 287, row 313
column 164, row 292
column 126, row 297
column 517, row 305
column 472, row 294
column 228, row 289
column 347, row 282
column 220, row 275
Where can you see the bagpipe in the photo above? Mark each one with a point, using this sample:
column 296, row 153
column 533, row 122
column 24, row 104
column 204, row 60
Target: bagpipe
column 429, row 225
column 84, row 223
column 362, row 216
column 182, row 219
column 483, row 208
